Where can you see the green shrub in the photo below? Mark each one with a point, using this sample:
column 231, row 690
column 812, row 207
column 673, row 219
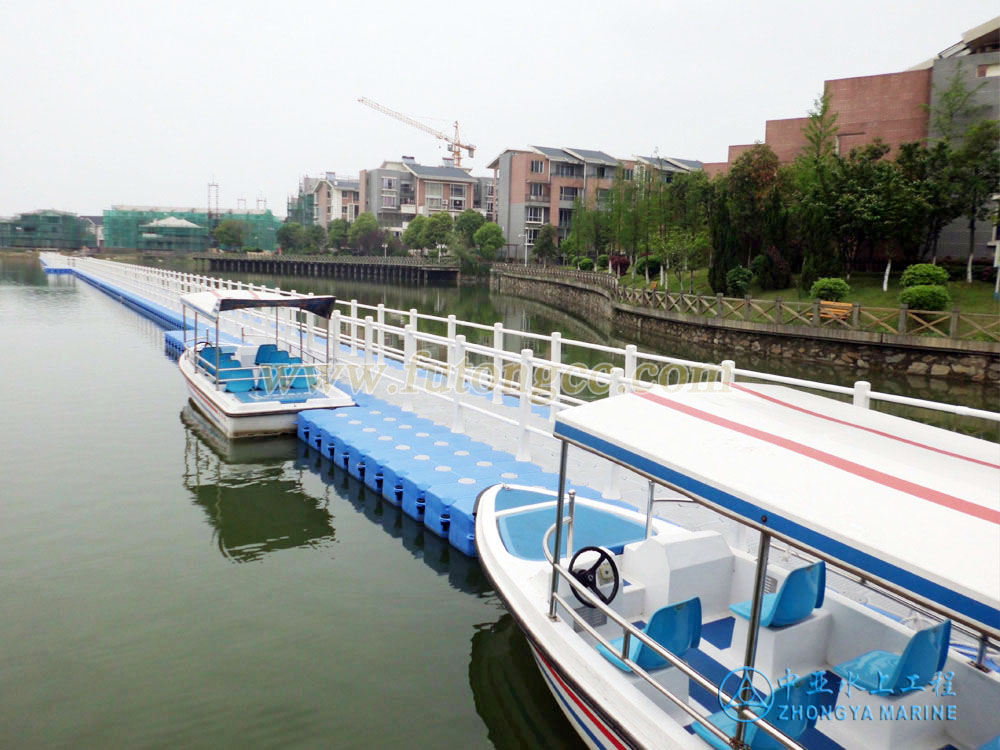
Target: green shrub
column 924, row 274
column 650, row 261
column 738, row 281
column 771, row 270
column 832, row 290
column 925, row 297
column 585, row 264
column 602, row 261
column 571, row 260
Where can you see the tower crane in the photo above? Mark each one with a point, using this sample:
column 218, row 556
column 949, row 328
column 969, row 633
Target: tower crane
column 455, row 145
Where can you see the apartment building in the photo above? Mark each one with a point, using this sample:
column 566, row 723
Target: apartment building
column 399, row 190
column 321, row 200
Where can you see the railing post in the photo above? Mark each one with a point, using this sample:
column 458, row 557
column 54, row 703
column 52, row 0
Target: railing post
column 904, row 315
column 953, row 324
column 856, row 316
column 718, row 305
column 333, row 336
column 611, row 490
column 380, row 333
column 746, row 307
column 555, row 375
column 630, row 357
column 354, row 327
column 498, row 363
column 778, row 313
column 451, row 327
column 409, row 366
column 815, row 312
column 458, row 384
column 524, row 407
column 862, row 389
column 368, row 341
column 727, row 376
column 414, row 319
column 310, row 333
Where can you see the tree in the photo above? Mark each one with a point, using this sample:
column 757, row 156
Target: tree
column 545, row 243
column 336, row 233
column 821, row 130
column 755, row 199
column 290, row 236
column 230, row 233
column 489, row 239
column 931, row 171
column 468, row 222
column 364, row 235
column 436, row 230
column 977, row 165
column 413, row 235
column 314, row 239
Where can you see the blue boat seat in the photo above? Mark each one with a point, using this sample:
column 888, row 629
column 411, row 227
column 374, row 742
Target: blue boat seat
column 263, row 352
column 676, row 627
column 993, row 744
column 888, row 673
column 791, row 721
column 799, row 595
column 238, row 380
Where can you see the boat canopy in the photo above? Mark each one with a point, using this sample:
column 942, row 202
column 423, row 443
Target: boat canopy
column 210, row 304
column 903, row 503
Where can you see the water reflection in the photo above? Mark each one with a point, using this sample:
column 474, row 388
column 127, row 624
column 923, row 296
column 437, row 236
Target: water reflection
column 511, row 697
column 464, row 573
column 253, row 501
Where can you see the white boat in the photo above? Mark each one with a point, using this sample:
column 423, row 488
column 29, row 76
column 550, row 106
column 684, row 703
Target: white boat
column 253, row 386
column 651, row 635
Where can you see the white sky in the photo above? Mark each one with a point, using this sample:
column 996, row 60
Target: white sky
column 146, row 102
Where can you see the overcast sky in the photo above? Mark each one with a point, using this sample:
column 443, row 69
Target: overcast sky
column 144, row 103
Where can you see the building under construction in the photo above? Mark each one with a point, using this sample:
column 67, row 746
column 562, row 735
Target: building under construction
column 47, row 228
column 183, row 229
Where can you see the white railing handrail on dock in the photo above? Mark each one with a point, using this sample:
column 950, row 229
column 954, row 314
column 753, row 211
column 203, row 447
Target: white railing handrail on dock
column 532, row 377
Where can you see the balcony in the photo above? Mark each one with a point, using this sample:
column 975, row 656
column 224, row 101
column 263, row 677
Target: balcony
column 534, row 198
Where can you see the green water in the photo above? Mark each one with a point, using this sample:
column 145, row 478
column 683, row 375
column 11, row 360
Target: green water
column 164, row 588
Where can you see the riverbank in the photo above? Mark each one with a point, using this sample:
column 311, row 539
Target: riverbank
column 855, row 352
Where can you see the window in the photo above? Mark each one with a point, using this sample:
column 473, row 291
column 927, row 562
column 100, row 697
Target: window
column 568, row 170
column 458, row 191
column 388, row 201
column 534, row 214
column 388, row 183
column 529, row 236
column 602, row 195
column 489, row 189
column 457, row 204
column 536, row 189
column 538, row 166
column 565, row 217
column 567, row 193
column 626, row 174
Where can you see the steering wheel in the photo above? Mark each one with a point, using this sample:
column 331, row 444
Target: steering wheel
column 588, row 575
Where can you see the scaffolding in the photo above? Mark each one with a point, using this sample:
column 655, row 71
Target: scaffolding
column 124, row 225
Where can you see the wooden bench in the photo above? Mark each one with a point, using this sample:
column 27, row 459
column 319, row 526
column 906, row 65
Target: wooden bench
column 835, row 310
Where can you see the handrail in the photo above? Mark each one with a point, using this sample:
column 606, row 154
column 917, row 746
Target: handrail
column 550, row 380
column 631, row 631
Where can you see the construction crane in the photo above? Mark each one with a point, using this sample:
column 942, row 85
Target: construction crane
column 455, row 145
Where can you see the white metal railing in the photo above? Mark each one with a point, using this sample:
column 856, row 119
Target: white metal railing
column 457, row 357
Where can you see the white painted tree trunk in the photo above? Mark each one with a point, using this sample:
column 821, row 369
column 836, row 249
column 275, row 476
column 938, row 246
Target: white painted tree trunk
column 885, row 277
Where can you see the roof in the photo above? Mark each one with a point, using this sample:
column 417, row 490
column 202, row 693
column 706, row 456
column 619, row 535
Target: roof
column 557, row 154
column 451, row 174
column 191, row 210
column 908, row 504
column 174, row 223
column 210, row 304
column 670, row 163
column 592, row 157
